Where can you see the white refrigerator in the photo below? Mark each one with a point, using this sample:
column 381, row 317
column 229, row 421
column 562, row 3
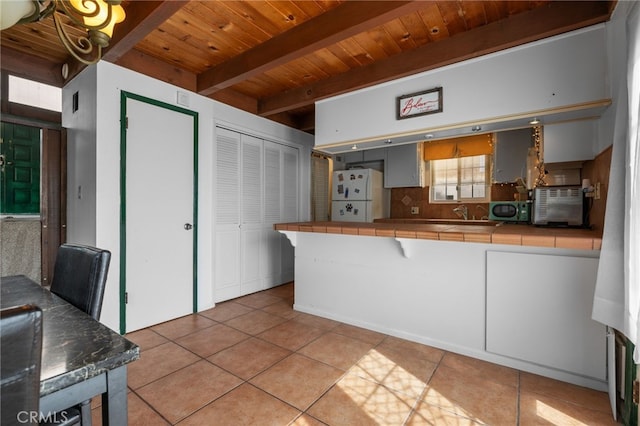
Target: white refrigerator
column 358, row 195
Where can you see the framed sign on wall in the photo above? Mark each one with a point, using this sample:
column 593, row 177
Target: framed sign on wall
column 419, row 103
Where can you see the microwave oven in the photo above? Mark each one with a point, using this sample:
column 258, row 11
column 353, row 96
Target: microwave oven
column 558, row 206
column 510, row 211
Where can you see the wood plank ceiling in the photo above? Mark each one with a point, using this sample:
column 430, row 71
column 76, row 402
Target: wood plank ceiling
column 276, row 58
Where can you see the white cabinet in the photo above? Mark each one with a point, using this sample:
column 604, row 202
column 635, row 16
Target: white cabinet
column 378, row 154
column 353, row 157
column 404, row 166
column 366, row 155
column 510, row 154
column 539, row 310
column 570, row 141
column 281, row 205
column 256, row 186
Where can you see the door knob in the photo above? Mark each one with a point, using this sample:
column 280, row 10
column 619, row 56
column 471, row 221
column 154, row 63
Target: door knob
column 188, row 226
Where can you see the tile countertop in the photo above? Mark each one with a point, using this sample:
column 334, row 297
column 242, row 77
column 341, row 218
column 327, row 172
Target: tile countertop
column 472, row 231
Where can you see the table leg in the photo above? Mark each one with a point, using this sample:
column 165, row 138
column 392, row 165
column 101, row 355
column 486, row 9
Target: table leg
column 85, row 413
column 114, row 401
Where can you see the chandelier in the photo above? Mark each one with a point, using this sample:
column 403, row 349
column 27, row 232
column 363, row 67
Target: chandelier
column 96, row 17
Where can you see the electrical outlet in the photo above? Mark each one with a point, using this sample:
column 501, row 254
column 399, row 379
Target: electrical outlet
column 415, row 210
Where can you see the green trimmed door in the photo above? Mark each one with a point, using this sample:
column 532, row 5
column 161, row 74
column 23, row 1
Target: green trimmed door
column 159, row 212
column 20, row 169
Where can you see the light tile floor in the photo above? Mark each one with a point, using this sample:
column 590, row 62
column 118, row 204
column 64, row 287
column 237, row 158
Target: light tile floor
column 256, row 361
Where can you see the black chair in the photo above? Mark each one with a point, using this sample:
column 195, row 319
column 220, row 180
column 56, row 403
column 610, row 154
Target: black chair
column 20, row 359
column 80, row 277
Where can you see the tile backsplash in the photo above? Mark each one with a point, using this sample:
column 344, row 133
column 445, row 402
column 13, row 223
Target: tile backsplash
column 404, row 199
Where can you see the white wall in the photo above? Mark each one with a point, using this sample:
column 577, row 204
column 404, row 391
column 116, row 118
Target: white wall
column 81, row 157
column 99, row 225
column 565, row 70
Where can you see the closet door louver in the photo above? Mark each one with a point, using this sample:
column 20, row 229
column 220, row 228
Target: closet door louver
column 227, row 182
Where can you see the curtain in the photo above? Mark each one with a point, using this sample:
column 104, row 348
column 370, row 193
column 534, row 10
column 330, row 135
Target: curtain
column 467, row 146
column 617, row 295
column 632, row 222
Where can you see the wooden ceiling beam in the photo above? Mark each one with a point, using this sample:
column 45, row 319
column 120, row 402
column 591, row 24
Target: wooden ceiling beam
column 138, row 61
column 552, row 19
column 142, row 18
column 285, row 119
column 307, row 122
column 344, row 21
column 31, row 67
column 236, row 99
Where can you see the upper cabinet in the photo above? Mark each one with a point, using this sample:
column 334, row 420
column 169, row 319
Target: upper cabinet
column 403, row 166
column 364, row 156
column 510, row 154
column 570, row 141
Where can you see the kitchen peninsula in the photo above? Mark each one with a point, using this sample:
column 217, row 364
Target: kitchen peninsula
column 515, row 295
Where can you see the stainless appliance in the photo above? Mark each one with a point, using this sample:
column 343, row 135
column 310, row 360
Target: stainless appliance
column 510, row 211
column 358, row 196
column 558, row 206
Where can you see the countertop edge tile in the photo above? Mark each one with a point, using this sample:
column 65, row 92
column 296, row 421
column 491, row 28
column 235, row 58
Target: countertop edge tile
column 426, row 235
column 477, row 238
column 539, row 240
column 367, row 231
column 451, row 236
column 334, row 230
column 385, row 232
column 509, row 239
column 597, row 243
column 521, row 235
column 574, row 243
column 402, row 233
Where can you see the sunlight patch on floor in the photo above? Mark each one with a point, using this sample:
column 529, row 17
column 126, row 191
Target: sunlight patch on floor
column 436, row 399
column 555, row 416
column 376, row 401
column 381, row 369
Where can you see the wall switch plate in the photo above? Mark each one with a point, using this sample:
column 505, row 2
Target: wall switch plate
column 182, row 98
column 597, row 191
column 415, row 210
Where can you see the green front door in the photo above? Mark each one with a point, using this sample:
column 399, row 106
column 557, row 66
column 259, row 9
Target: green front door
column 20, row 169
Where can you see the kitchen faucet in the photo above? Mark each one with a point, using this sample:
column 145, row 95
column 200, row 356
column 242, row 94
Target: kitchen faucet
column 462, row 211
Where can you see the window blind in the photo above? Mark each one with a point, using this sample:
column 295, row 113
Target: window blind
column 467, row 146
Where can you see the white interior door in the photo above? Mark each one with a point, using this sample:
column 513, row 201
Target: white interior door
column 159, row 214
column 251, row 224
column 227, row 240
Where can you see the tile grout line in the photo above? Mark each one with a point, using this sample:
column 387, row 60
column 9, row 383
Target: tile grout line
column 308, row 323
column 201, row 358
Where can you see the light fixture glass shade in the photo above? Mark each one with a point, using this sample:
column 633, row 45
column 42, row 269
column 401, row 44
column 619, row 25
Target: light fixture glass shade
column 117, row 16
column 12, row 11
column 97, row 19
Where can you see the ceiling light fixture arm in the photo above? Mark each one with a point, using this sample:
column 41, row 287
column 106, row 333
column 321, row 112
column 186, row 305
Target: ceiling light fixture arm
column 96, row 17
column 83, row 45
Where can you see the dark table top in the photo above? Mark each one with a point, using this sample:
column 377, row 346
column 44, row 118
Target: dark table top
column 75, row 347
